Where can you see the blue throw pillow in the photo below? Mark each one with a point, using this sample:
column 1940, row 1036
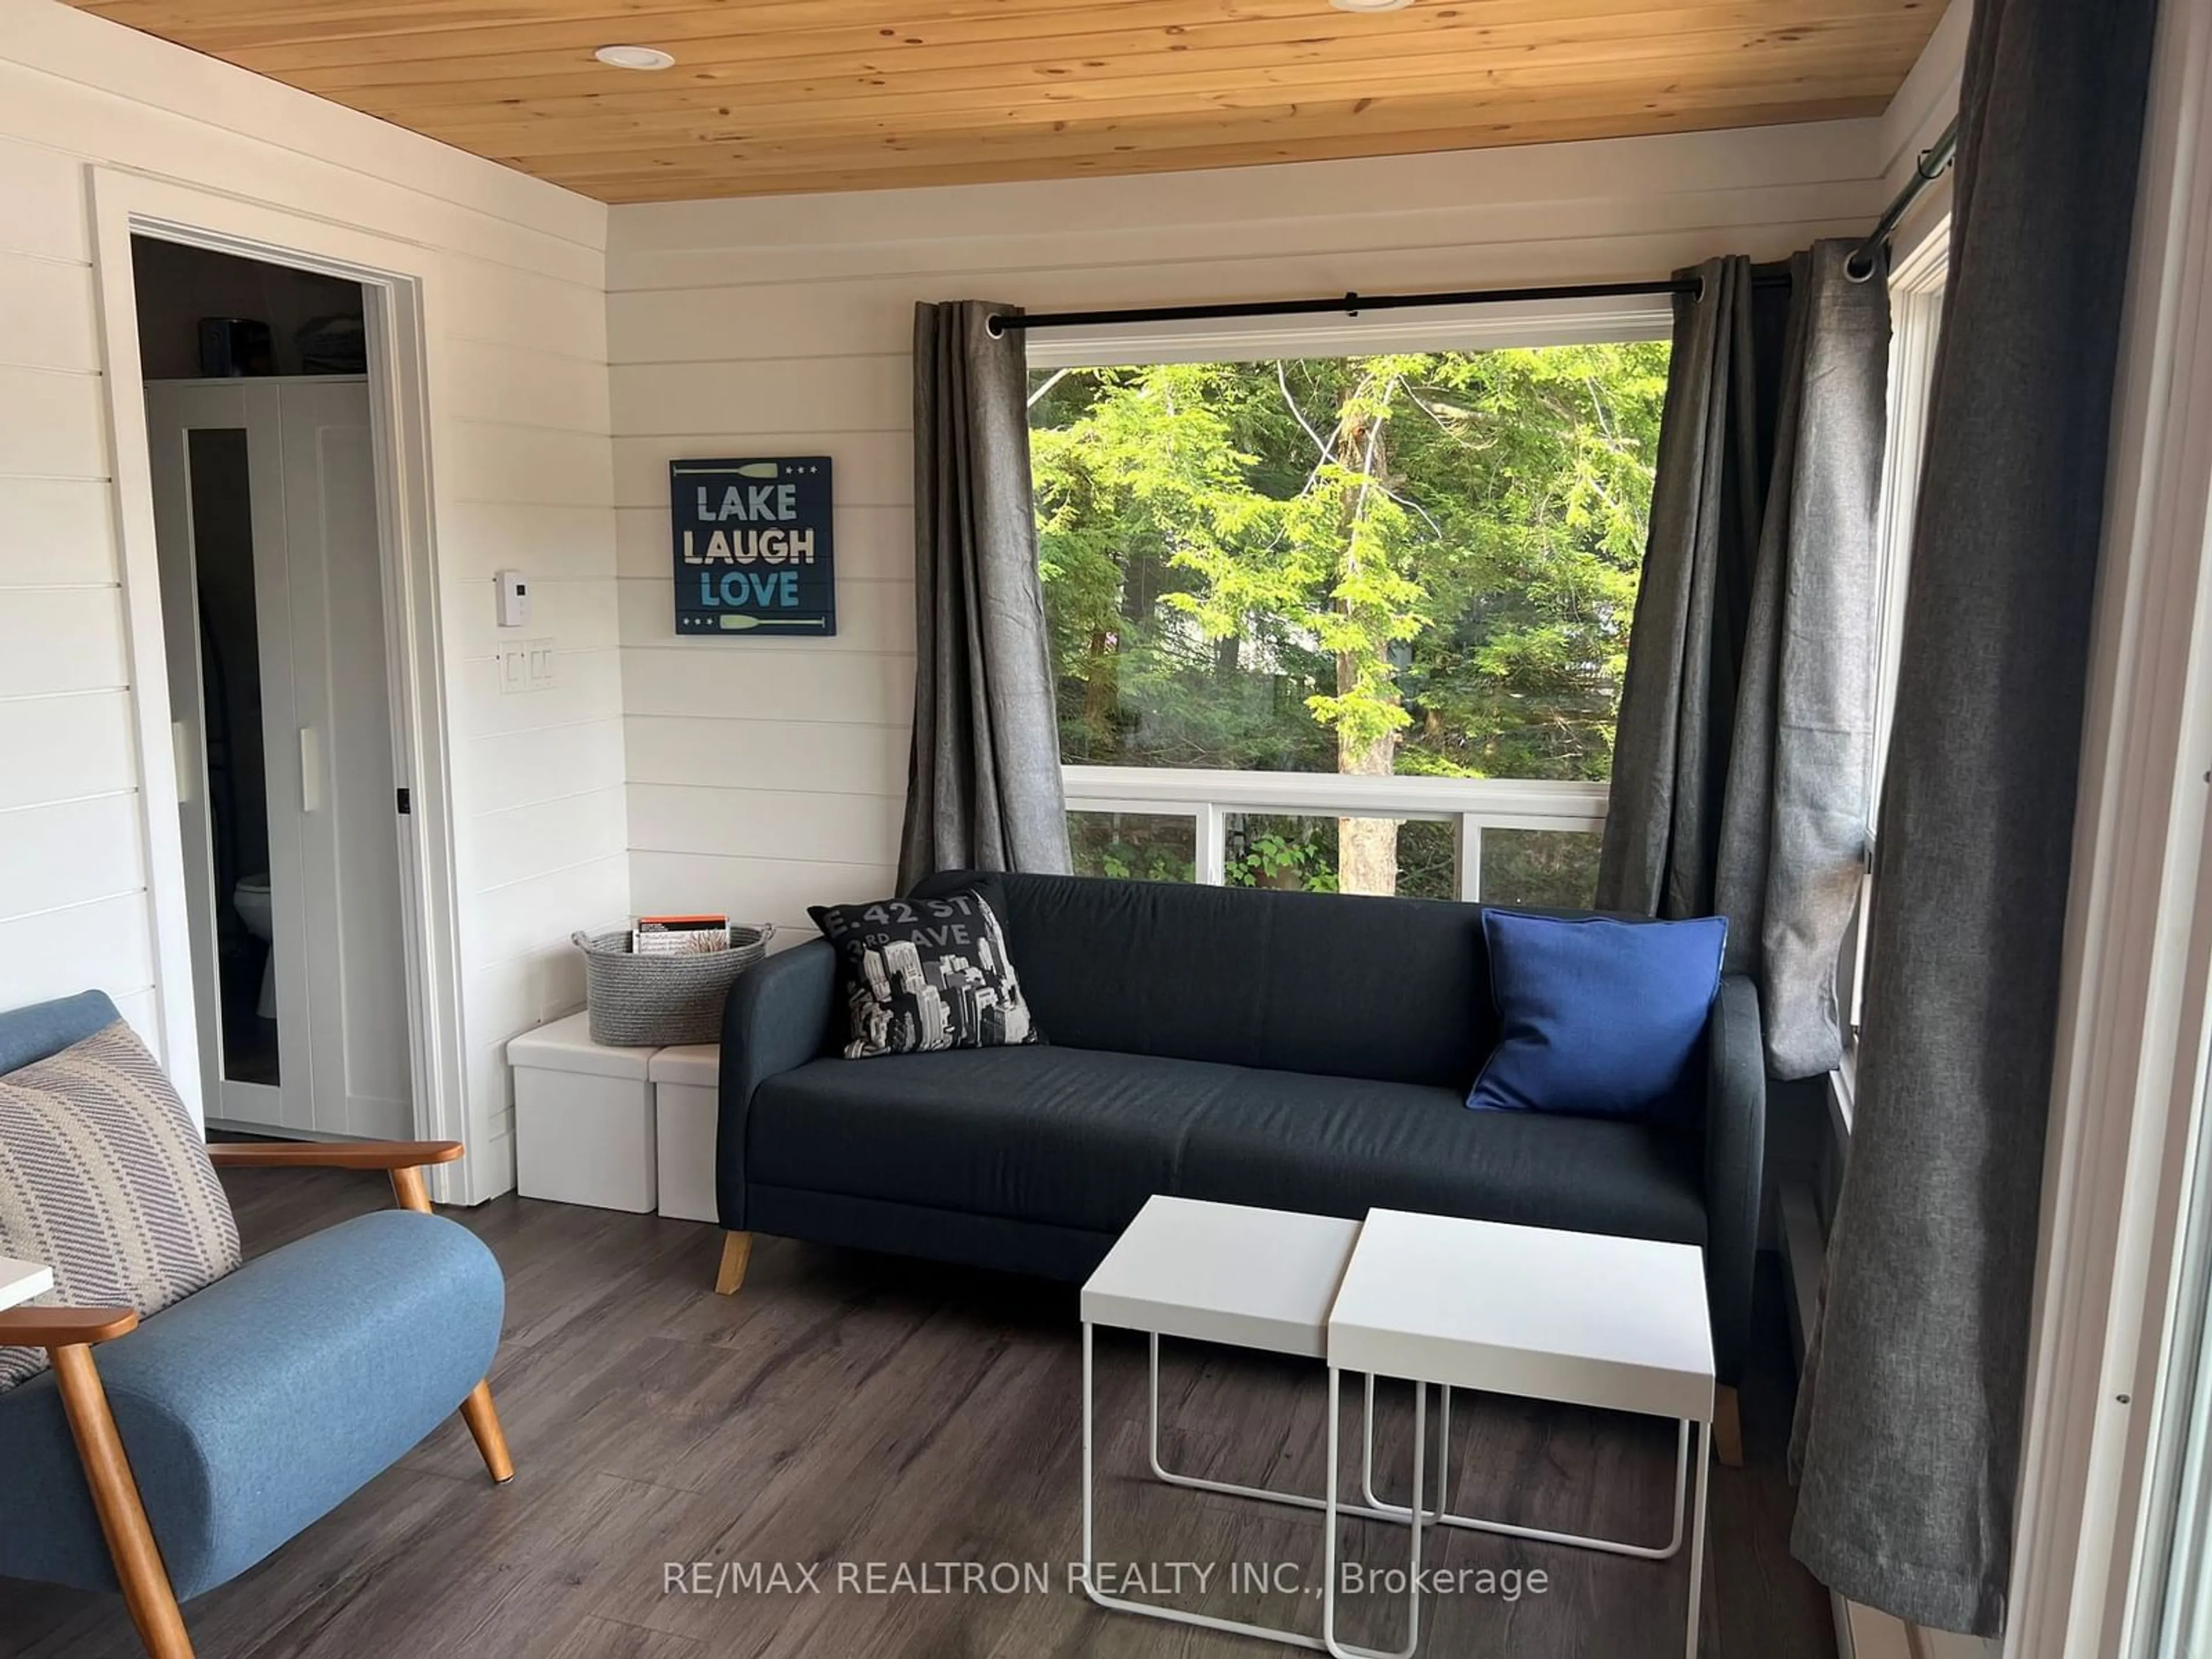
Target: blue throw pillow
column 1598, row 1019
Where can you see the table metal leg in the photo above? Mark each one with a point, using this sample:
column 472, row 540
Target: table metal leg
column 1332, row 1509
column 1698, row 1535
column 1088, row 1555
column 1230, row 1489
column 1442, row 1515
column 1122, row 1604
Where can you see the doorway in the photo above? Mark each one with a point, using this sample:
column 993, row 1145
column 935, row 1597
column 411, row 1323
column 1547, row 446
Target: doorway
column 268, row 492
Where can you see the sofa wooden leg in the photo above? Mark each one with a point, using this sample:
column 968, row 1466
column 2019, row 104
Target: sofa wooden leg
column 737, row 1251
column 1728, row 1429
column 482, row 1419
column 138, row 1568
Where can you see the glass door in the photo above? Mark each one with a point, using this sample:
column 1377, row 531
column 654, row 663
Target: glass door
column 2173, row 1597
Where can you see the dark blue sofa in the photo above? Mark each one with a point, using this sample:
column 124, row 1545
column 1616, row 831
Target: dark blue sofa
column 1301, row 1051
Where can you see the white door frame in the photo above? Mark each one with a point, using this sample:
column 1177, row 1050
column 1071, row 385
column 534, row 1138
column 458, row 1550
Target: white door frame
column 398, row 279
column 2133, row 1020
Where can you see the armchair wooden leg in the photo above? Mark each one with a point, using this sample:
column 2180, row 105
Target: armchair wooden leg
column 1728, row 1429
column 408, row 1189
column 482, row 1419
column 146, row 1588
column 737, row 1251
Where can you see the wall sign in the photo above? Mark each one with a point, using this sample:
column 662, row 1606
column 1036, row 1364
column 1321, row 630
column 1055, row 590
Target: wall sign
column 752, row 546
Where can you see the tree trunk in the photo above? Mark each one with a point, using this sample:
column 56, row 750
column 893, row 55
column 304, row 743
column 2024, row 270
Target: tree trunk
column 1366, row 848
column 1100, row 692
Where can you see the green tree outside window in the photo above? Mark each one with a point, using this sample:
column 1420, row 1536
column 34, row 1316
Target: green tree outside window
column 1413, row 563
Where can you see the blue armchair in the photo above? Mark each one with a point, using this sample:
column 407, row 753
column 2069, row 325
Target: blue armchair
column 210, row 1433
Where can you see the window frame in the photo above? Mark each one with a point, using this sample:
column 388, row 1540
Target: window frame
column 1917, row 283
column 1502, row 326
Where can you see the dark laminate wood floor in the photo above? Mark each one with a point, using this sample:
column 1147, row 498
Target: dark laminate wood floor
column 850, row 1409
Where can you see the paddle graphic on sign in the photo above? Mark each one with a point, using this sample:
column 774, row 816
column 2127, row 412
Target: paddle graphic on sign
column 752, row 547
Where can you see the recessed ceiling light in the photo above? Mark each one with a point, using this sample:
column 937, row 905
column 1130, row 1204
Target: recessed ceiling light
column 647, row 57
column 1370, row 5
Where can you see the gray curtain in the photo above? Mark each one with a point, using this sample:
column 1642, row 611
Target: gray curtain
column 983, row 789
column 1909, row 1418
column 1741, row 763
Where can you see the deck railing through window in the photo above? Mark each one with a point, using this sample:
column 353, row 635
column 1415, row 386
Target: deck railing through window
column 1496, row 840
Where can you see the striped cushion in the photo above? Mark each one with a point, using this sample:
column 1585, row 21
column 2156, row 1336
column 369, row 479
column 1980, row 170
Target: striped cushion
column 104, row 1179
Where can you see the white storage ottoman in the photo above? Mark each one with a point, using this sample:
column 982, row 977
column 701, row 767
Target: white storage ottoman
column 583, row 1119
column 688, row 1101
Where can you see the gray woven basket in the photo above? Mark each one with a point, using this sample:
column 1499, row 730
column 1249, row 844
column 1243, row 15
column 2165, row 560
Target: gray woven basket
column 659, row 1002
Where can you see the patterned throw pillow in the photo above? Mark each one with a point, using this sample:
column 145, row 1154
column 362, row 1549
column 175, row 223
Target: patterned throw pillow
column 104, row 1179
column 921, row 975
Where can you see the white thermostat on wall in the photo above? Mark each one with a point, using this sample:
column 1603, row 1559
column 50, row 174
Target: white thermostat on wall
column 514, row 598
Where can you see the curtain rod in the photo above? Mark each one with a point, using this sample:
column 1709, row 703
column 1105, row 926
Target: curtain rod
column 1351, row 305
column 1934, row 161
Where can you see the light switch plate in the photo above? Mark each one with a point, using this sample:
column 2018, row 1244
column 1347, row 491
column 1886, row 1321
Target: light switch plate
column 540, row 665
column 513, row 669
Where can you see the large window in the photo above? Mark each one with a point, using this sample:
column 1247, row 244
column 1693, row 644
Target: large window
column 1351, row 623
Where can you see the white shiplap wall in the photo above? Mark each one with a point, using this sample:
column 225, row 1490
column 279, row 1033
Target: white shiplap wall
column 766, row 775
column 514, row 275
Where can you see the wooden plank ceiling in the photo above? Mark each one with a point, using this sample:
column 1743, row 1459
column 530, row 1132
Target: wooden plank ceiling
column 777, row 95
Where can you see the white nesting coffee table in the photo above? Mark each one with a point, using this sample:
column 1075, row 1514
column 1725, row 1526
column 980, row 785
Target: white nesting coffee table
column 1616, row 1323
column 1620, row 1324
